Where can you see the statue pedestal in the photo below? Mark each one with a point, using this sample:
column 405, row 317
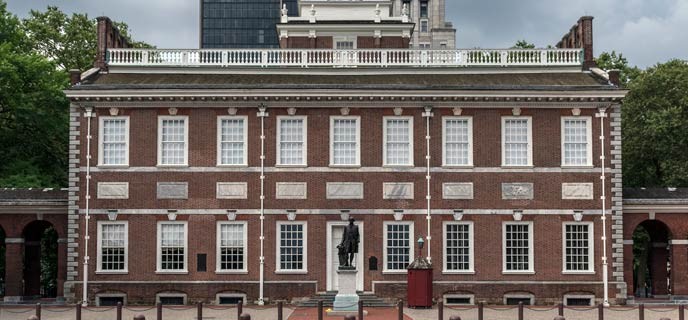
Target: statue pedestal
column 346, row 300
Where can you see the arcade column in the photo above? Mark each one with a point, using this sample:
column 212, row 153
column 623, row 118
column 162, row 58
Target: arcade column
column 14, row 269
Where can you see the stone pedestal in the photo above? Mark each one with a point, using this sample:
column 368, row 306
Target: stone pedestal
column 346, row 300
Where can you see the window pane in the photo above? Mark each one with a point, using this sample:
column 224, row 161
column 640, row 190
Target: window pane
column 114, row 139
column 516, row 142
column 344, row 142
column 577, row 245
column 291, row 246
column 291, row 141
column 398, row 134
column 232, row 141
column 232, row 247
column 576, row 142
column 172, row 248
column 112, row 246
column 173, row 141
column 398, row 246
column 458, row 245
column 517, row 247
column 457, row 146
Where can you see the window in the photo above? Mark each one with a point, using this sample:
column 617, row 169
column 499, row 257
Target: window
column 424, row 9
column 514, row 299
column 291, row 247
column 578, row 247
column 579, row 300
column 517, row 141
column 458, row 141
column 112, row 246
column 459, row 299
column 518, row 247
column 344, row 43
column 231, row 246
column 458, row 247
column 230, row 298
column 173, row 132
column 398, row 141
column 114, row 141
column 171, row 299
column 291, row 141
column 345, row 141
column 172, row 247
column 110, row 299
column 576, row 142
column 398, row 246
column 424, row 46
column 231, row 141
column 424, row 26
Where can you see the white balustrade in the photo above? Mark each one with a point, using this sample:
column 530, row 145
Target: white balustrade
column 265, row 58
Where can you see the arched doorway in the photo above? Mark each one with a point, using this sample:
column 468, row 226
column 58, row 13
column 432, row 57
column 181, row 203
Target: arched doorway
column 651, row 260
column 2, row 261
column 40, row 260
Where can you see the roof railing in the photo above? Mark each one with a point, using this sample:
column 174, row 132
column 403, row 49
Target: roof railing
column 382, row 58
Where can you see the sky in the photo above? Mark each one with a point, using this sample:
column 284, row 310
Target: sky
column 645, row 31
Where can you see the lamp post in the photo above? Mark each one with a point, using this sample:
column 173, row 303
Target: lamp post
column 421, row 242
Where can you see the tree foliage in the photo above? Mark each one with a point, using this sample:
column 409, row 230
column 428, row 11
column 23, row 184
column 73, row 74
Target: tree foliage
column 655, row 123
column 614, row 61
column 523, row 44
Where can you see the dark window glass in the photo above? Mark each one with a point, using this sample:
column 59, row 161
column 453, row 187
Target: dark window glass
column 231, row 300
column 515, row 301
column 423, row 9
column 172, row 301
column 458, row 300
column 578, row 302
column 110, row 301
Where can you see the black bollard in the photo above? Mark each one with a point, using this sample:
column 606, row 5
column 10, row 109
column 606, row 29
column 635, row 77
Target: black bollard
column 641, row 312
column 440, row 310
column 245, row 316
column 600, row 312
column 240, row 310
column 78, row 311
column 159, row 311
column 400, row 305
column 561, row 310
column 119, row 311
column 681, row 312
column 199, row 311
column 320, row 310
column 38, row 311
column 481, row 309
column 279, row 310
column 520, row 311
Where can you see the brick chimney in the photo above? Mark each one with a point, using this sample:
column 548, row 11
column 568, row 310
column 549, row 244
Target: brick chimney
column 108, row 38
column 74, row 76
column 615, row 77
column 581, row 36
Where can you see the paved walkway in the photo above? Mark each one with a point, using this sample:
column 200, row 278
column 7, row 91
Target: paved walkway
column 270, row 313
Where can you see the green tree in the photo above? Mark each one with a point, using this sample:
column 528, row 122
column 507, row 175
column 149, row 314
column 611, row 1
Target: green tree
column 614, row 61
column 523, row 44
column 655, row 122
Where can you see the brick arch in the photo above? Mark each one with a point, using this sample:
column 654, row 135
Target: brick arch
column 658, row 254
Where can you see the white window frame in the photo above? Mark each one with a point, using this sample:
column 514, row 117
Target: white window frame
column 305, row 141
column 579, row 296
column 591, row 249
column 170, row 294
column 470, row 142
column 520, row 296
column 427, row 25
column 471, row 249
column 384, row 245
column 358, row 140
column 101, row 142
column 278, row 238
column 531, row 254
column 99, row 245
column 458, row 295
column 384, row 141
column 589, row 142
column 186, row 140
column 244, row 162
column 159, row 248
column 111, row 295
column 218, row 248
column 336, row 39
column 530, row 141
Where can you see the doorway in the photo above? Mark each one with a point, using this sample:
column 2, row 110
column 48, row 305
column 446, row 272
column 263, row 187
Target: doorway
column 40, row 260
column 652, row 260
column 335, row 231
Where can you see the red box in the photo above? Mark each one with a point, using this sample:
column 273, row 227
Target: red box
column 419, row 288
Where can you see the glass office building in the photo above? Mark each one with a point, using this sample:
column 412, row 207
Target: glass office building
column 242, row 23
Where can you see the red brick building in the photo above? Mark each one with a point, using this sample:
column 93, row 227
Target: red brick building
column 222, row 174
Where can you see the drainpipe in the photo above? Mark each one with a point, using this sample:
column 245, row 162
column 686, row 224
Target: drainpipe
column 427, row 115
column 88, row 113
column 605, row 276
column 262, row 114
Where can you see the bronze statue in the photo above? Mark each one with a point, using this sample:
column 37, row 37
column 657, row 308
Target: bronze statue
column 349, row 246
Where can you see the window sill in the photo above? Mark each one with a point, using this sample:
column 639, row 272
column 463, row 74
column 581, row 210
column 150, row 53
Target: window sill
column 171, row 166
column 449, row 272
column 119, row 272
column 448, row 166
column 291, row 166
column 518, row 272
column 232, row 165
column 574, row 273
column 231, row 271
column 345, row 166
column 578, row 167
column 394, row 271
column 112, row 166
column 291, row 272
column 518, row 167
column 398, row 166
column 180, row 272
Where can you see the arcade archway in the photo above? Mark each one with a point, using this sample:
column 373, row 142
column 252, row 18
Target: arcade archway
column 40, row 260
column 652, row 260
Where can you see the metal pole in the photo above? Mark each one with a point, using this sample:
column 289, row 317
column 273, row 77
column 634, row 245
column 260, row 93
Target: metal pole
column 600, row 311
column 89, row 114
column 78, row 311
column 440, row 310
column 279, row 310
column 481, row 309
column 159, row 311
column 561, row 309
column 681, row 312
column 427, row 115
column 520, row 311
column 605, row 276
column 262, row 114
column 119, row 311
column 240, row 309
column 320, row 310
column 641, row 312
column 38, row 311
column 199, row 311
column 400, row 306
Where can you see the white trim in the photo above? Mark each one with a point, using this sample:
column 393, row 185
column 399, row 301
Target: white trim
column 591, row 248
column 471, row 237
column 358, row 140
column 360, row 261
column 111, row 295
column 304, row 132
column 530, row 141
column 244, row 119
column 579, row 296
column 354, row 170
column 412, row 243
column 520, row 296
column 159, row 269
column 377, row 211
column 531, row 255
column 588, row 125
column 278, row 237
column 384, row 141
column 470, row 141
column 101, row 120
column 186, row 140
column 218, row 247
column 454, row 295
column 170, row 295
column 99, row 253
column 230, row 295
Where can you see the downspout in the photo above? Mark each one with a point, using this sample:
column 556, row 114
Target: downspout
column 262, row 114
column 605, row 275
column 89, row 114
column 427, row 115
